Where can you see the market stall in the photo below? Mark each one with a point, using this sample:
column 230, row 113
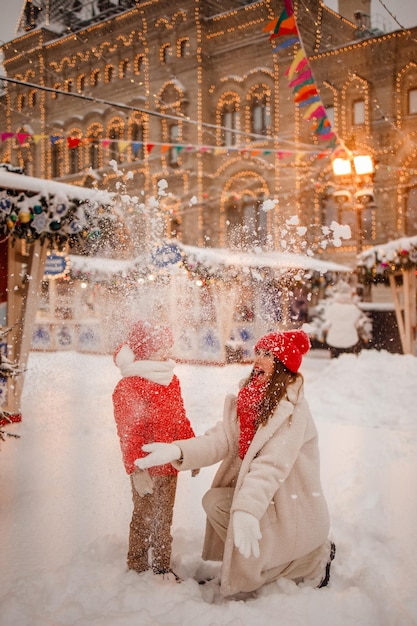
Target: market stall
column 395, row 262
column 216, row 301
column 36, row 215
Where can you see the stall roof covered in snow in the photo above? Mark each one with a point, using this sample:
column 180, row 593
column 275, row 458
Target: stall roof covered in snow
column 21, row 182
column 390, row 257
column 172, row 254
column 261, row 259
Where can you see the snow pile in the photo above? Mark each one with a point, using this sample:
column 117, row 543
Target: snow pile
column 66, row 503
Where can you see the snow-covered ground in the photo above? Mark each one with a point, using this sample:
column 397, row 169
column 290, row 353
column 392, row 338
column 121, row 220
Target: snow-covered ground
column 65, row 501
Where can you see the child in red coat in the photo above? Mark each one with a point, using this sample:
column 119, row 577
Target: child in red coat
column 148, row 406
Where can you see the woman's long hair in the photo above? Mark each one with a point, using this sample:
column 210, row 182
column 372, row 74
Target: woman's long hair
column 275, row 390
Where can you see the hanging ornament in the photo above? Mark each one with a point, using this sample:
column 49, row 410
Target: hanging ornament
column 24, row 216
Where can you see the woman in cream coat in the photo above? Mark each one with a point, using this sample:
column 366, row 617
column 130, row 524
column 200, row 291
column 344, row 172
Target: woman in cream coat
column 266, row 513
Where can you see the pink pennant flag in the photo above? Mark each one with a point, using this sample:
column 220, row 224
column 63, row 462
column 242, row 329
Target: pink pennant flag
column 315, row 110
column 5, row 136
column 301, row 78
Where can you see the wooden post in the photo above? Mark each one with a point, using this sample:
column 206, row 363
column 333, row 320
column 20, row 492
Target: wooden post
column 404, row 296
column 22, row 304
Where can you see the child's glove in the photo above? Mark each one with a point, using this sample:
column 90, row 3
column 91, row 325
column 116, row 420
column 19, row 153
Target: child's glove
column 142, row 482
column 246, row 534
column 160, row 453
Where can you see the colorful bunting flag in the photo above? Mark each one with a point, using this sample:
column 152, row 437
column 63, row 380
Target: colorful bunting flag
column 300, row 76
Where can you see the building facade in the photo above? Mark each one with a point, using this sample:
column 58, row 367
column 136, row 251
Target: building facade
column 117, row 93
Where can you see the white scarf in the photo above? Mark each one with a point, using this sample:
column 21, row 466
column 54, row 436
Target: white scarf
column 160, row 372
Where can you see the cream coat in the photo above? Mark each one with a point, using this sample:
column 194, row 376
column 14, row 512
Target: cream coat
column 278, row 482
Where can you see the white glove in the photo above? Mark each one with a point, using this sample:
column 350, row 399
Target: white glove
column 160, row 453
column 246, row 534
column 142, row 482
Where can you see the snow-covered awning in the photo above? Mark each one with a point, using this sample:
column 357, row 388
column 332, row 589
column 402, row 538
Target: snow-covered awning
column 171, row 256
column 216, row 257
column 21, row 182
column 389, row 257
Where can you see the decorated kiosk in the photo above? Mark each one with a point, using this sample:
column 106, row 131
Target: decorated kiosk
column 395, row 263
column 216, row 301
column 36, row 216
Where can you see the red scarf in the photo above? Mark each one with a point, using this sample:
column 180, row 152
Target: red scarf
column 248, row 401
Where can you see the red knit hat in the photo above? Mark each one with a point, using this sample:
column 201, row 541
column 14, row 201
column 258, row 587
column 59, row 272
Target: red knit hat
column 145, row 339
column 288, row 347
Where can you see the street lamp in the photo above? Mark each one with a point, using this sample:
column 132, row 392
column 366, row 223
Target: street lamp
column 356, row 174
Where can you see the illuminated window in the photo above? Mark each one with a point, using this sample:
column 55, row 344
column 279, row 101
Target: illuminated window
column 359, row 112
column 139, row 62
column 412, row 101
column 95, row 78
column 32, row 99
column 21, row 102
column 94, row 153
column 165, row 52
column 109, row 74
column 230, row 123
column 54, row 95
column 95, row 149
column 136, row 136
column 56, row 159
column 183, row 47
column 81, row 83
column 123, row 68
column 74, row 160
column 411, row 212
column 173, row 133
column 260, row 117
column 246, row 222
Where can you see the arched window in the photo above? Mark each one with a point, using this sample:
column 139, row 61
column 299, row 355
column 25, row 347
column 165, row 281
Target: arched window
column 173, row 136
column 21, row 102
column 259, row 110
column 260, row 118
column 94, row 152
column 95, row 78
column 115, row 134
column 136, row 136
column 246, row 222
column 411, row 211
column 165, row 53
column 139, row 63
column 32, row 99
column 81, row 83
column 412, row 101
column 123, row 68
column 230, row 123
column 358, row 112
column 95, row 155
column 74, row 159
column 74, row 150
column 54, row 95
column 109, row 74
column 56, row 159
column 183, row 47
column 172, row 100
